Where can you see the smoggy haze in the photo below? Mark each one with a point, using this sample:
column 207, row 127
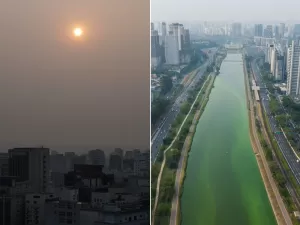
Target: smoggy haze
column 58, row 92
column 216, row 10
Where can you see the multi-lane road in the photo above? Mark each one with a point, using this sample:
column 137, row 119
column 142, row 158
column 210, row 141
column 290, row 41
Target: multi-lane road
column 285, row 148
column 163, row 129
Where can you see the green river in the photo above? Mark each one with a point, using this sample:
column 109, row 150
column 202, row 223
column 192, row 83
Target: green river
column 223, row 185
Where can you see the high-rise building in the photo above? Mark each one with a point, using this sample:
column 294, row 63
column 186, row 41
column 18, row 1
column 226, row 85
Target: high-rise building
column 142, row 164
column 128, row 155
column 163, row 29
column 155, row 49
column 31, row 166
column 152, row 26
column 293, row 70
column 273, row 59
column 186, row 39
column 136, row 152
column 279, row 68
column 176, row 30
column 296, row 30
column 290, row 30
column 258, row 30
column 268, row 31
column 269, row 53
column 96, row 157
column 236, row 30
column 4, row 164
column 284, row 53
column 115, row 162
column 172, row 50
column 281, row 30
column 276, row 32
column 11, row 205
column 120, row 152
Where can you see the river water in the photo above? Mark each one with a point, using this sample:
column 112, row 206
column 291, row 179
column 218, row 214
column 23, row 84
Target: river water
column 223, row 185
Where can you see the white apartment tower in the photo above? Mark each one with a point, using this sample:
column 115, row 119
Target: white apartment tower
column 293, row 69
column 176, row 30
column 172, row 50
column 273, row 60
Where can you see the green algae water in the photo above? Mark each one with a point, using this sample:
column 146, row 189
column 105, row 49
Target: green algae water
column 223, row 185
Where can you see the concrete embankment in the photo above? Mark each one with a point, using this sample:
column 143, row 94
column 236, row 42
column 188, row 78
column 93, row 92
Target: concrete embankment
column 279, row 210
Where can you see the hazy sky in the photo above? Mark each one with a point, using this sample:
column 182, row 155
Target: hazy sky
column 65, row 93
column 239, row 10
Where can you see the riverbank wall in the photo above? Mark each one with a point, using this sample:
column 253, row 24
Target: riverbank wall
column 270, row 186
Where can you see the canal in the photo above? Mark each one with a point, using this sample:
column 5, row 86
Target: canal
column 223, row 185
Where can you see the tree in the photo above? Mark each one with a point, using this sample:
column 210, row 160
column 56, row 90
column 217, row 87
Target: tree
column 158, row 107
column 168, row 140
column 173, row 157
column 282, row 119
column 209, row 69
column 163, row 209
column 274, row 106
column 166, row 84
column 185, row 108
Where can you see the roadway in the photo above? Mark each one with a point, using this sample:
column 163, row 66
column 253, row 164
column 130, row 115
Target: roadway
column 284, row 147
column 163, row 129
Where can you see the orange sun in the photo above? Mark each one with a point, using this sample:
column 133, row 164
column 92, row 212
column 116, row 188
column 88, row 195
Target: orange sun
column 77, row 32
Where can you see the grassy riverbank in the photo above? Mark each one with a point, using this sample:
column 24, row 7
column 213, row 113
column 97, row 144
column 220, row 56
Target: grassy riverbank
column 189, row 140
column 163, row 209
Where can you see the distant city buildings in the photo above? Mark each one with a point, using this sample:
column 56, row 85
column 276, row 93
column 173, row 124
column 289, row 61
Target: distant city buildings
column 96, row 157
column 296, row 30
column 276, row 32
column 281, row 30
column 42, row 189
column 282, row 55
column 258, row 30
column 170, row 47
column 156, row 55
column 236, row 30
column 268, row 31
column 170, row 44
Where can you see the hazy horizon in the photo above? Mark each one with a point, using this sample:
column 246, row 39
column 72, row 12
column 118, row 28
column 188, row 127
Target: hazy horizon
column 218, row 10
column 71, row 94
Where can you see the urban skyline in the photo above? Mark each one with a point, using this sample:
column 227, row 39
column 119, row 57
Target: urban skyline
column 40, row 188
column 68, row 93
